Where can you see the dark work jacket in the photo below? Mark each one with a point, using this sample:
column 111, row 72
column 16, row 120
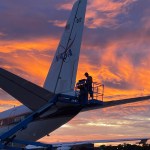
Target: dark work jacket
column 89, row 82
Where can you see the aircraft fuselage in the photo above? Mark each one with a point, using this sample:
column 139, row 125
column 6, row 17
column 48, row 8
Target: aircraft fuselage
column 46, row 123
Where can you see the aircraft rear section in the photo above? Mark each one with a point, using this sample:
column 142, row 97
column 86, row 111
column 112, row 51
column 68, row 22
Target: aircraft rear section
column 69, row 106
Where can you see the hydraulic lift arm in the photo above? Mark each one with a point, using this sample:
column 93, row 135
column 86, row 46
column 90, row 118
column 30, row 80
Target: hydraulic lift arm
column 9, row 136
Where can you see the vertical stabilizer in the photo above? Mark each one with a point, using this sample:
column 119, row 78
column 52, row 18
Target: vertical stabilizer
column 62, row 74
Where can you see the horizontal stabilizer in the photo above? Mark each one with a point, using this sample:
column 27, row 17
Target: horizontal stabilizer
column 126, row 101
column 31, row 95
column 118, row 102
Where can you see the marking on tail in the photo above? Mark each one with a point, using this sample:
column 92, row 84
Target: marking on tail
column 67, row 53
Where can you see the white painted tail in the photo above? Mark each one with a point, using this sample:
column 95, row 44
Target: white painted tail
column 62, row 74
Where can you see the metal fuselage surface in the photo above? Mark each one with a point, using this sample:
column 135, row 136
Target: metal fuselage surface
column 45, row 124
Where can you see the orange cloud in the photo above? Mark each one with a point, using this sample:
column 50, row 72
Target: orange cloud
column 32, row 44
column 28, row 56
column 7, row 104
column 109, row 9
column 58, row 23
column 66, row 6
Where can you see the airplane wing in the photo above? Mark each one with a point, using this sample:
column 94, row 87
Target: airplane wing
column 125, row 101
column 64, row 144
column 31, row 95
column 117, row 102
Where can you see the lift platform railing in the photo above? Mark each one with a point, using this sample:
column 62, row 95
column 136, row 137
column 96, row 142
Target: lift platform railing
column 98, row 91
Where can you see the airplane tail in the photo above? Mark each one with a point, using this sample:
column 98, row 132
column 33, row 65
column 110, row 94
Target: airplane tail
column 62, row 74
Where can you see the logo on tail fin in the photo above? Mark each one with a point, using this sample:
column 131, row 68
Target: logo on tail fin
column 67, row 53
column 63, row 56
column 78, row 20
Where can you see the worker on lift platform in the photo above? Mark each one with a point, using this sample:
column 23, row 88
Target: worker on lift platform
column 85, row 87
column 89, row 82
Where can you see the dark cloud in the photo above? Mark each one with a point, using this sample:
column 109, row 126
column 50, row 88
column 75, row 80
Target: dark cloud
column 28, row 19
column 129, row 27
column 91, row 56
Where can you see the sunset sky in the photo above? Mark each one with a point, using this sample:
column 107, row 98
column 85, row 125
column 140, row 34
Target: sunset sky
column 115, row 51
